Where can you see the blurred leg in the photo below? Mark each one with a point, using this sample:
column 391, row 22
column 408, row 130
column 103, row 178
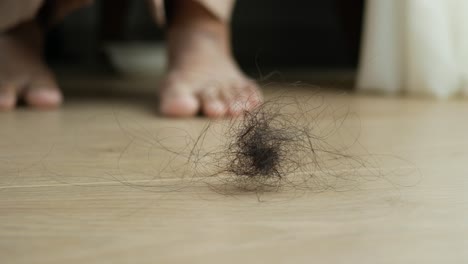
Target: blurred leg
column 23, row 72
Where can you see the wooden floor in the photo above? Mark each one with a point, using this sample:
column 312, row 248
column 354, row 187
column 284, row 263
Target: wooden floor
column 81, row 185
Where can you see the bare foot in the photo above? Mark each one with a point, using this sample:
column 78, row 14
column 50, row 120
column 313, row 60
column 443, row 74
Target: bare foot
column 23, row 73
column 203, row 75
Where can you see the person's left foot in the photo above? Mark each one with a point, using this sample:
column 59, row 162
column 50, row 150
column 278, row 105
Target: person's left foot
column 202, row 74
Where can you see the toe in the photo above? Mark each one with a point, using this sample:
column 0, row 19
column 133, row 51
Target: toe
column 182, row 105
column 7, row 98
column 178, row 102
column 44, row 98
column 253, row 94
column 212, row 103
column 236, row 107
column 43, row 93
column 214, row 108
column 177, row 99
column 247, row 97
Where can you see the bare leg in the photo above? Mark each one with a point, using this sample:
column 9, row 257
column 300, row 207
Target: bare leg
column 23, row 72
column 202, row 74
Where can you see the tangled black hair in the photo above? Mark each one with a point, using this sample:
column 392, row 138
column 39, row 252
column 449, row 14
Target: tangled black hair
column 283, row 142
column 259, row 149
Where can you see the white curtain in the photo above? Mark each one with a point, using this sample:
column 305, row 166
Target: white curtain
column 417, row 47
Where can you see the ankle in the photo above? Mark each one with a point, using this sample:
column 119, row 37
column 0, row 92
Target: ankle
column 191, row 23
column 189, row 12
column 29, row 34
column 188, row 16
column 189, row 42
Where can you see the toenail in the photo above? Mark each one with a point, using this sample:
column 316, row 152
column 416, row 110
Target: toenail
column 46, row 95
column 217, row 105
column 236, row 107
column 217, row 108
column 179, row 106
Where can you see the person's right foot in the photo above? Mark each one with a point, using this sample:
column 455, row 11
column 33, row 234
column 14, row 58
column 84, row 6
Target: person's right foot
column 23, row 73
column 202, row 74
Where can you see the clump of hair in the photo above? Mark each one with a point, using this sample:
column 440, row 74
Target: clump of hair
column 286, row 142
column 261, row 150
column 280, row 143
